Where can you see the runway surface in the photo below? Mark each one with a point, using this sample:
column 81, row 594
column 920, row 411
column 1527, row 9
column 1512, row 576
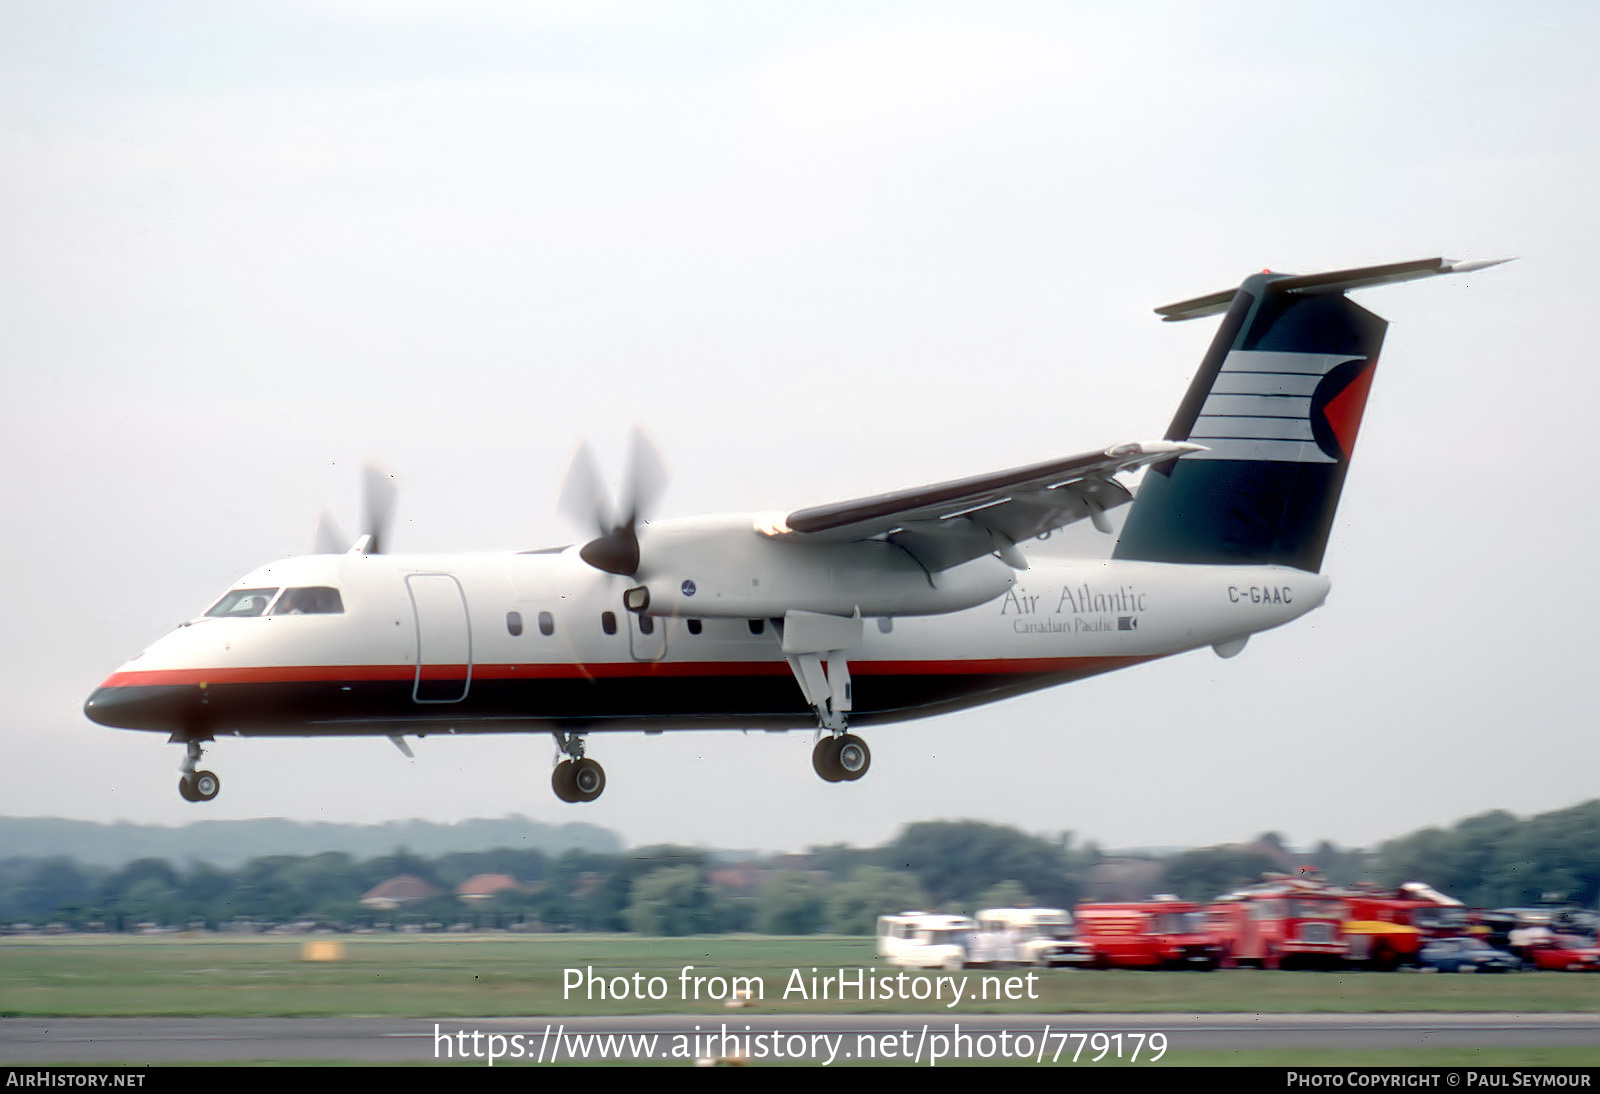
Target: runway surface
column 834, row 1038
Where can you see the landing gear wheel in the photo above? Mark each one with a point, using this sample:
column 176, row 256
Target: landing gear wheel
column 196, row 786
column 825, row 760
column 852, row 757
column 202, row 786
column 561, row 781
column 588, row 780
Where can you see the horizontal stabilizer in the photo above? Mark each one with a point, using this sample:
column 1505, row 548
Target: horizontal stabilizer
column 1336, row 281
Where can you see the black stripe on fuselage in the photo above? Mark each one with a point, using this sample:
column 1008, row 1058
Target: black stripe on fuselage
column 359, row 707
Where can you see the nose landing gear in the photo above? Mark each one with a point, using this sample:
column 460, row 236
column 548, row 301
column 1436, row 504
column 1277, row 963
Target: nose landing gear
column 196, row 786
column 577, row 779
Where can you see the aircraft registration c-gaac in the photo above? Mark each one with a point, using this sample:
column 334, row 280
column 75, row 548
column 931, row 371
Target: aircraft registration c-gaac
column 834, row 618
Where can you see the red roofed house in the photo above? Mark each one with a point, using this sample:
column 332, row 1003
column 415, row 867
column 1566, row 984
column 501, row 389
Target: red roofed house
column 404, row 889
column 484, row 886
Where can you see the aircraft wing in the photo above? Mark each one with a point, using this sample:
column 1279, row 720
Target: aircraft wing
column 949, row 523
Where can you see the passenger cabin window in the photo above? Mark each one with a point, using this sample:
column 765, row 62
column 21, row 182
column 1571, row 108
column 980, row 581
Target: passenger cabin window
column 314, row 600
column 694, row 626
column 608, row 622
column 885, row 624
column 757, row 626
column 547, row 624
column 514, row 624
column 243, row 602
column 647, row 625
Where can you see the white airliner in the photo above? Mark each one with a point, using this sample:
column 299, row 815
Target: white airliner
column 834, row 618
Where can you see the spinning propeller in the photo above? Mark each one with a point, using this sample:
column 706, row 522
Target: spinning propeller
column 585, row 499
column 378, row 496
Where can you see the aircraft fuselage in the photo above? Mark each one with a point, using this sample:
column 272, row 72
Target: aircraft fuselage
column 519, row 642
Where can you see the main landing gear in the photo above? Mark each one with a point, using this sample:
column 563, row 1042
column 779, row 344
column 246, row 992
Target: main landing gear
column 196, row 786
column 577, row 778
column 814, row 647
column 841, row 759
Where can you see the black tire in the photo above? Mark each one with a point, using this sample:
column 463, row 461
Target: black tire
column 205, row 786
column 825, row 760
column 852, row 756
column 588, row 780
column 185, row 791
column 562, row 783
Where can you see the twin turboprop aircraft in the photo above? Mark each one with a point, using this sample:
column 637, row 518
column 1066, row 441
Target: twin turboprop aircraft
column 833, row 618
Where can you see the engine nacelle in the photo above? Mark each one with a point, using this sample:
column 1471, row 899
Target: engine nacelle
column 731, row 571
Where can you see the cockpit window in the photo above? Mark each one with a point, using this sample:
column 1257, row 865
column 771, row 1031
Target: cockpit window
column 315, row 600
column 243, row 602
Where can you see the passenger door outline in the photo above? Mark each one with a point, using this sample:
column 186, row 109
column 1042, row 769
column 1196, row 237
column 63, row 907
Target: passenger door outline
column 444, row 638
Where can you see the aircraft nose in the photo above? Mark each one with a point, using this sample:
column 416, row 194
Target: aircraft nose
column 161, row 707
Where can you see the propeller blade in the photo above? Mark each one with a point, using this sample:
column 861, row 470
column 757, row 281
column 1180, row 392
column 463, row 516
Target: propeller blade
column 378, row 496
column 647, row 478
column 584, row 497
column 330, row 538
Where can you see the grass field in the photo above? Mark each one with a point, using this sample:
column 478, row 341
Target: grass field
column 508, row 977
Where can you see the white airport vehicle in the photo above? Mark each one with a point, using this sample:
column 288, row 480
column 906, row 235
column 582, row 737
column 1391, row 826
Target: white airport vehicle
column 837, row 617
column 919, row 940
column 1031, row 936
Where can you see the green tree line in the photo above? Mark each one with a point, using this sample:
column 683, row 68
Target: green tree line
column 657, row 890
column 1491, row 860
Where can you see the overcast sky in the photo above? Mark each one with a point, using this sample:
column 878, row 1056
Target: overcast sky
column 819, row 250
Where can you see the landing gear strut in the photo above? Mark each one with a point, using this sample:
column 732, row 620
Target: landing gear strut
column 842, row 758
column 815, row 647
column 196, row 786
column 578, row 778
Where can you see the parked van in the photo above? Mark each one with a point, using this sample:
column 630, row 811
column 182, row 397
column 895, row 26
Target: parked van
column 1150, row 934
column 1031, row 936
column 918, row 940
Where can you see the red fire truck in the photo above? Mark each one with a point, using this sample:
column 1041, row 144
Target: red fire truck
column 1302, row 922
column 1284, row 923
column 1388, row 928
column 1157, row 934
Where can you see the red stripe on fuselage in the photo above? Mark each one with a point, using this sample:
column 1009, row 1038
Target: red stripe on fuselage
column 300, row 674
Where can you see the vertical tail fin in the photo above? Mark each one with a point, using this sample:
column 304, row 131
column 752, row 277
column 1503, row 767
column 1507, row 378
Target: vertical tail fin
column 1277, row 403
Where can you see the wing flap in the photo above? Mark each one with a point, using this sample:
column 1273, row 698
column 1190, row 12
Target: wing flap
column 997, row 528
